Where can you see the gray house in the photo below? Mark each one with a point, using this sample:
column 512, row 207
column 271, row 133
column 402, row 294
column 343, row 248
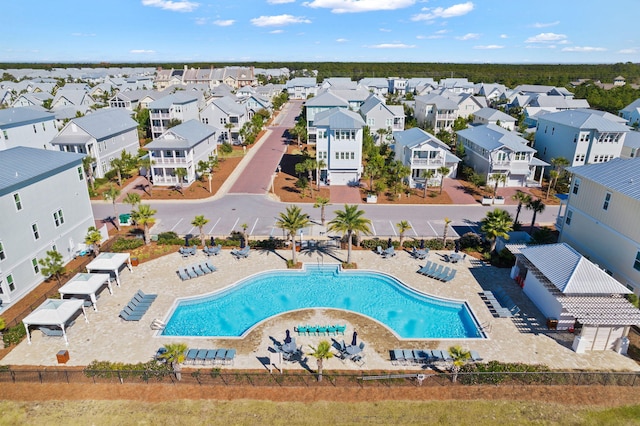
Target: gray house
column 379, row 115
column 26, row 126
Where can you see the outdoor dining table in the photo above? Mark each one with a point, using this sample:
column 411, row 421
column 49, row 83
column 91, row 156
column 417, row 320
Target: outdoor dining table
column 352, row 350
column 455, row 257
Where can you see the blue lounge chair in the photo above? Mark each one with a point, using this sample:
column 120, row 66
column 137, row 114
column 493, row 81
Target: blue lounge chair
column 322, row 330
column 425, row 268
column 129, row 314
column 201, row 356
column 397, row 357
column 447, row 356
column 451, row 276
column 379, row 250
column 211, row 356
column 442, row 274
column 432, row 269
column 51, row 332
column 436, row 272
column 210, row 266
column 220, row 354
column 230, row 356
column 341, row 329
column 197, row 270
column 191, row 272
column 301, row 330
column 475, row 356
column 190, row 357
column 408, row 356
column 140, row 295
column 182, row 274
column 331, row 330
column 437, row 355
column 312, row 330
column 422, row 356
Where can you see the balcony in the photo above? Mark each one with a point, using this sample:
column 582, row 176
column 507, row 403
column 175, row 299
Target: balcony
column 171, row 160
column 159, row 115
column 426, row 162
column 501, row 165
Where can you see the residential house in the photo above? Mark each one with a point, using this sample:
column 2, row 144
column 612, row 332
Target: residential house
column 32, row 99
column 601, row 217
column 631, row 147
column 325, row 101
column 238, row 77
column 398, row 86
column 580, row 136
column 421, row 151
column 435, row 111
column 103, row 135
column 255, row 103
column 339, row 145
column 26, row 126
column 494, row 116
column 490, row 149
column 165, row 78
column 575, row 295
column 131, row 100
column 492, row 92
column 631, row 113
column 182, row 147
column 457, row 85
column 302, row 87
column 181, row 106
column 377, row 86
column 72, row 97
column 45, row 206
column 378, row 115
column 339, row 83
column 225, row 113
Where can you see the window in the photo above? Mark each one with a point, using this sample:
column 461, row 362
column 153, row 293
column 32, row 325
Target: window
column 205, row 120
column 337, row 155
column 34, row 129
column 36, row 267
column 10, row 283
column 636, row 263
column 80, row 173
column 576, row 186
column 353, row 155
column 607, row 200
column 6, row 135
column 34, row 229
column 58, row 219
column 567, row 219
column 16, row 198
column 371, row 122
column 2, row 255
column 43, row 127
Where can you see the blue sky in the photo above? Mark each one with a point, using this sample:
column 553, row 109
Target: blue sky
column 479, row 31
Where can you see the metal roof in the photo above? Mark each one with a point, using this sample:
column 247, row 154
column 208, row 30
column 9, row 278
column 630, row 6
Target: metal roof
column 106, row 123
column 415, row 136
column 185, row 135
column 22, row 116
column 339, row 118
column 178, row 98
column 584, row 119
column 493, row 115
column 492, row 137
column 327, row 99
column 619, row 175
column 570, row 272
column 22, row 166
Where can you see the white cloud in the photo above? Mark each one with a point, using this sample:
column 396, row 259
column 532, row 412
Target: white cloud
column 224, row 22
column 420, row 37
column 628, row 51
column 391, row 46
column 280, row 1
column 356, row 6
column 341, row 40
column 278, row 20
column 545, row 24
column 547, row 38
column 174, row 6
column 83, row 34
column 142, row 51
column 469, row 36
column 276, row 32
column 201, row 21
column 489, row 47
column 385, row 30
column 440, row 12
column 583, row 49
column 504, row 36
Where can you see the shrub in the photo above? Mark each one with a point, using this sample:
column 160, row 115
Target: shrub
column 126, row 244
column 14, row 335
column 470, row 240
column 633, row 298
column 226, row 148
column 146, row 370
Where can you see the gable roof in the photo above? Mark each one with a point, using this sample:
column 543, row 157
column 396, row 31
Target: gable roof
column 22, row 116
column 620, row 175
column 178, row 98
column 439, row 101
column 491, row 114
column 106, row 123
column 22, row 166
column 229, row 106
column 570, row 272
column 415, row 137
column 339, row 118
column 185, row 135
column 327, row 99
column 584, row 119
column 492, row 137
column 372, row 102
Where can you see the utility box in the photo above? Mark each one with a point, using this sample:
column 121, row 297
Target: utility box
column 552, row 323
column 62, row 357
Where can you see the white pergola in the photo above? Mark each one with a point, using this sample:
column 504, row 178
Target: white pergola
column 111, row 262
column 54, row 312
column 87, row 285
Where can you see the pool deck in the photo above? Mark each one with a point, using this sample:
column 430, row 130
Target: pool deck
column 106, row 337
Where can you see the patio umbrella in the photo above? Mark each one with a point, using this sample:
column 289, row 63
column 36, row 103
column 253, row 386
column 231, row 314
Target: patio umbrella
column 186, row 241
column 422, row 244
column 287, row 338
column 212, row 242
column 457, row 246
column 389, row 243
column 354, row 340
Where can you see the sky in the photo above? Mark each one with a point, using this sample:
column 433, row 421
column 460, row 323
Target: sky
column 479, row 31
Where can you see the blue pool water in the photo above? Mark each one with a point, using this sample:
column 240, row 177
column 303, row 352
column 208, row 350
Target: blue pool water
column 237, row 309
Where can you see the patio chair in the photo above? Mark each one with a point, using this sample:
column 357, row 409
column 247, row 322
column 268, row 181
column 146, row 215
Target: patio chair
column 203, row 266
column 220, row 354
column 436, row 272
column 51, row 332
column 129, row 314
column 190, row 357
column 243, row 253
column 422, row 356
column 201, row 356
column 475, row 356
column 451, row 276
column 229, row 357
column 190, row 272
column 408, row 356
column 312, row 330
column 379, row 250
column 397, row 357
column 211, row 356
column 322, row 330
column 437, row 355
column 143, row 296
column 442, row 274
column 193, row 250
column 331, row 330
column 182, row 274
column 389, row 252
column 210, row 266
column 301, row 330
column 159, row 353
column 425, row 268
column 197, row 270
column 341, row 329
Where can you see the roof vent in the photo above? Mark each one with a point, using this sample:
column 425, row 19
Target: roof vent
column 16, row 174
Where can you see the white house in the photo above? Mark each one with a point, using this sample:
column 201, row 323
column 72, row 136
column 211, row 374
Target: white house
column 325, row 101
column 491, row 149
column 225, row 113
column 581, row 136
column 421, row 151
column 181, row 106
column 436, row 111
column 631, row 147
column 302, row 87
column 378, row 115
column 575, row 295
column 45, row 205
column 103, row 135
column 339, row 145
column 494, row 116
column 601, row 217
column 182, row 147
column 26, row 126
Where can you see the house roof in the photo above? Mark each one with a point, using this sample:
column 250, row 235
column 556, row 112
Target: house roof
column 570, row 272
column 178, row 98
column 185, row 135
column 327, row 99
column 105, row 123
column 584, row 119
column 339, row 118
column 229, row 106
column 415, row 137
column 492, row 137
column 372, row 102
column 619, row 175
column 22, row 116
column 491, row 114
column 633, row 106
column 302, row 82
column 22, row 166
column 439, row 101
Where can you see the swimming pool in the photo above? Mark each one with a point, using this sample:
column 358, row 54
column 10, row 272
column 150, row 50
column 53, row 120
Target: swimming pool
column 235, row 310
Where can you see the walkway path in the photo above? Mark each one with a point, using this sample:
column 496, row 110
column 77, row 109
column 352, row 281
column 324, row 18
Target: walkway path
column 345, row 195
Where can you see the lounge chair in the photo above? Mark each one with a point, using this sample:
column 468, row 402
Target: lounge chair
column 210, row 266
column 451, row 276
column 210, row 356
column 144, row 296
column 442, row 274
column 397, row 357
column 425, row 268
column 243, row 253
column 422, row 356
column 408, row 356
column 51, row 332
column 389, row 252
column 447, row 356
column 312, row 330
column 190, row 272
column 341, row 329
column 230, row 356
column 331, row 330
column 437, row 355
column 220, row 354
column 322, row 331
column 129, row 314
column 475, row 356
column 197, row 270
column 436, row 272
column 190, row 357
column 182, row 274
column 301, row 330
column 201, row 356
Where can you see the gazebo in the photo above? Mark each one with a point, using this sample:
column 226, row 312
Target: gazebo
column 111, row 262
column 56, row 312
column 86, row 285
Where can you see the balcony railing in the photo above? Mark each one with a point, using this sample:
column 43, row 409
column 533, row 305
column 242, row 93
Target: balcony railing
column 423, row 162
column 157, row 115
column 171, row 160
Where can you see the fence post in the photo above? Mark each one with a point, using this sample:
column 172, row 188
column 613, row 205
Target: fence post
column 13, row 376
column 66, row 374
column 40, row 376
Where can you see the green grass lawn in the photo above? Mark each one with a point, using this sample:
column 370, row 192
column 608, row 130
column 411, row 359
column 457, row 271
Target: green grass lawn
column 187, row 412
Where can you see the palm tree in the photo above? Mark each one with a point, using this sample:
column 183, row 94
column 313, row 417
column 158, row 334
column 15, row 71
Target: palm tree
column 180, row 173
column 537, row 206
column 302, row 184
column 228, row 127
column 321, row 202
column 497, row 223
column 428, row 175
column 292, row 221
column 52, row 265
column 321, row 165
column 553, row 178
column 87, row 165
column 111, row 194
column 460, row 357
column 175, row 355
column 132, row 198
column 350, row 220
column 322, row 352
column 373, row 169
column 447, row 221
column 245, row 237
column 444, row 171
column 93, row 239
column 498, row 178
column 144, row 216
column 403, row 226
column 199, row 222
column 521, row 198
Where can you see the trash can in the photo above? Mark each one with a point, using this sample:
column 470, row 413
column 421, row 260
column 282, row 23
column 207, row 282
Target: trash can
column 125, row 219
column 134, row 261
